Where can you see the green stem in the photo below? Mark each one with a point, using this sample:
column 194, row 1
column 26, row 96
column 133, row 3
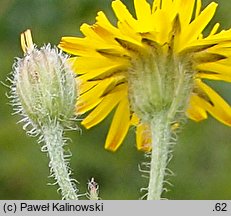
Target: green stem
column 161, row 136
column 53, row 138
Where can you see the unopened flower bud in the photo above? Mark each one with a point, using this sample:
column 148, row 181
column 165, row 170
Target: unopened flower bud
column 45, row 86
column 44, row 92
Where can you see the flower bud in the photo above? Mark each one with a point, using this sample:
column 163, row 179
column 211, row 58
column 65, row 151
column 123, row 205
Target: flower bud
column 45, row 86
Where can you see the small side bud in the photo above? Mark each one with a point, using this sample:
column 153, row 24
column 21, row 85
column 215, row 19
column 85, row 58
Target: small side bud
column 93, row 190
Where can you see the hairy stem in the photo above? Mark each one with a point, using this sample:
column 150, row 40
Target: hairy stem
column 161, row 136
column 53, row 138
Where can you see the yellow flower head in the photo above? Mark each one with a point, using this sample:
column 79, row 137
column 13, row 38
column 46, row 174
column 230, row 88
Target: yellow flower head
column 153, row 62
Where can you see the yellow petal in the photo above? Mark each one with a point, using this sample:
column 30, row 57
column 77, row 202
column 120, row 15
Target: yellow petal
column 97, row 91
column 195, row 110
column 134, row 119
column 124, row 32
column 26, row 41
column 185, row 10
column 83, row 107
column 214, row 76
column 156, row 5
column 86, row 86
column 105, row 107
column 131, row 34
column 78, row 46
column 218, row 108
column 198, row 8
column 218, row 39
column 195, row 28
column 99, row 36
column 102, row 73
column 215, row 71
column 162, row 25
column 123, row 14
column 119, row 126
column 222, row 49
column 89, row 32
column 92, row 64
column 143, row 137
column 105, row 23
column 143, row 10
column 86, row 46
column 166, row 5
column 214, row 29
column 143, row 14
column 91, row 98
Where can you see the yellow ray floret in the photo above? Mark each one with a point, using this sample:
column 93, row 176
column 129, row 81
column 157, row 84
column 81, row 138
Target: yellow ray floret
column 119, row 126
